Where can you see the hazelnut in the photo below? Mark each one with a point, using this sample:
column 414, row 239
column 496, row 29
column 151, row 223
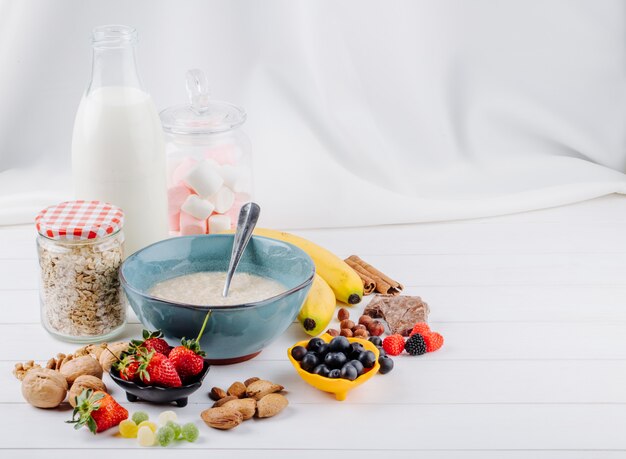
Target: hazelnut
column 346, row 332
column 332, row 332
column 343, row 314
column 361, row 334
column 44, row 388
column 359, row 327
column 376, row 328
column 365, row 320
column 347, row 324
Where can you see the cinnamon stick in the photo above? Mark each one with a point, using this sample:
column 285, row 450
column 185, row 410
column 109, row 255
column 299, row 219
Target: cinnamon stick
column 383, row 283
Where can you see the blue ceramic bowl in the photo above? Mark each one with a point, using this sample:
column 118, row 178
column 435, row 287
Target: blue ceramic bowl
column 233, row 333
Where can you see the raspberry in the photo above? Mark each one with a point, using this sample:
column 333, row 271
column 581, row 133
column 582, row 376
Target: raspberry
column 433, row 341
column 393, row 345
column 415, row 345
column 422, row 328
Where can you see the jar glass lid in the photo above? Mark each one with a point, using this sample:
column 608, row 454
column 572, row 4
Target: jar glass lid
column 202, row 115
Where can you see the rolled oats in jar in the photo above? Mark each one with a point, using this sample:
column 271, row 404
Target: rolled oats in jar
column 80, row 251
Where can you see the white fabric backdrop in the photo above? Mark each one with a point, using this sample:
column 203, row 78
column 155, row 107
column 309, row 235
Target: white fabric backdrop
column 360, row 112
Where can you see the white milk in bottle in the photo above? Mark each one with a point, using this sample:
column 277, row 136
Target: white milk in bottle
column 118, row 153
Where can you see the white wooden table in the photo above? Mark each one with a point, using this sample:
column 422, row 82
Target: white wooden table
column 533, row 310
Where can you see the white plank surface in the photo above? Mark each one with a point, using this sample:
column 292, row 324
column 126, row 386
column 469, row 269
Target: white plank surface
column 533, row 309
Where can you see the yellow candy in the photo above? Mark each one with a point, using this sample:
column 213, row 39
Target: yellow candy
column 128, row 429
column 146, row 436
column 150, row 424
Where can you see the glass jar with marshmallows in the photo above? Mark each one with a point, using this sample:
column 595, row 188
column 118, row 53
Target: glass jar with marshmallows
column 209, row 172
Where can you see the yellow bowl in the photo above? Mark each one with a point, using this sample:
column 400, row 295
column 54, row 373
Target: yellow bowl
column 339, row 387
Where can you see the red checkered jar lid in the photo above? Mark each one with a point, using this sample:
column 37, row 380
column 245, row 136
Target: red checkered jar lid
column 79, row 220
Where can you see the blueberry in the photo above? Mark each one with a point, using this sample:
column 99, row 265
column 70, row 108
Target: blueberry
column 376, row 341
column 349, row 372
column 315, row 344
column 321, row 370
column 309, row 362
column 298, row 352
column 335, row 359
column 322, row 350
column 367, row 358
column 339, row 344
column 386, row 365
column 355, row 350
column 358, row 366
column 336, row 373
column 381, row 351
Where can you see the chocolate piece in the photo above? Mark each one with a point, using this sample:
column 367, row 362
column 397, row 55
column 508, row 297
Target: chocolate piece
column 400, row 312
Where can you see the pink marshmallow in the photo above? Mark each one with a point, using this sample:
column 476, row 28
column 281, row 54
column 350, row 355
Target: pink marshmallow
column 223, row 154
column 191, row 225
column 183, row 169
column 174, row 221
column 176, row 196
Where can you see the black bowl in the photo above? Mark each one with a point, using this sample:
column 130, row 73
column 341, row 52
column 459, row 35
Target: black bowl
column 162, row 395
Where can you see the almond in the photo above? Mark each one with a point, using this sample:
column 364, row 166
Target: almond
column 222, row 418
column 249, row 381
column 237, row 389
column 259, row 389
column 223, row 400
column 246, row 406
column 217, row 394
column 271, row 405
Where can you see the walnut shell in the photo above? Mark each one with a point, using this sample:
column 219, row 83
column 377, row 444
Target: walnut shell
column 271, row 405
column 85, row 382
column 106, row 358
column 222, row 418
column 44, row 388
column 246, row 406
column 85, row 365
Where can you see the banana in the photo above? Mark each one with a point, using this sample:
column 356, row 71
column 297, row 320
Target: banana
column 342, row 279
column 318, row 308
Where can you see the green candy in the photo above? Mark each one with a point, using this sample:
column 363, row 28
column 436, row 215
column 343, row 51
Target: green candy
column 165, row 435
column 175, row 427
column 190, row 432
column 139, row 417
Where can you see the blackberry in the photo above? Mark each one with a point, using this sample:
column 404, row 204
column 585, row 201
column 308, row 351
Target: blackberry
column 415, row 345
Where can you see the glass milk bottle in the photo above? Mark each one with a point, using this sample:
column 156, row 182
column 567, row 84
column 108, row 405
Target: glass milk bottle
column 118, row 152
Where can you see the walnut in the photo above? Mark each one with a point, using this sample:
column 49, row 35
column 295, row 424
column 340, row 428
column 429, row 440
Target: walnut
column 111, row 353
column 85, row 382
column 85, row 365
column 21, row 369
column 44, row 388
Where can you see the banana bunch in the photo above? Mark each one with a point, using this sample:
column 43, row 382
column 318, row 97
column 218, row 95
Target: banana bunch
column 334, row 281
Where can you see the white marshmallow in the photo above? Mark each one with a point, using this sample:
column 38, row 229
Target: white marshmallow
column 230, row 174
column 219, row 223
column 223, row 200
column 191, row 225
column 242, row 186
column 204, row 178
column 197, row 207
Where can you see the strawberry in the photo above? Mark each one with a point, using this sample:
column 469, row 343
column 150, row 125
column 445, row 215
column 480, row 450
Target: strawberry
column 157, row 370
column 153, row 341
column 187, row 358
column 98, row 411
column 128, row 367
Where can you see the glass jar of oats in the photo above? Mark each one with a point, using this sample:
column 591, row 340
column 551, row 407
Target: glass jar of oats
column 79, row 246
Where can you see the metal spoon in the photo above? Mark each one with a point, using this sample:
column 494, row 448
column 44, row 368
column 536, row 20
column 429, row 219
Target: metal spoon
column 248, row 216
